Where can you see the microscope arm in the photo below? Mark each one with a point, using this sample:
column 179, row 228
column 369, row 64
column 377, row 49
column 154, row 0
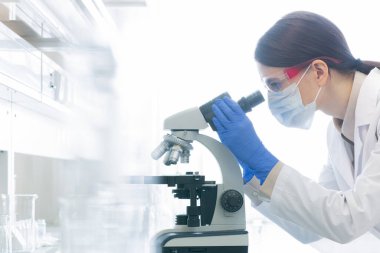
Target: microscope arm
column 229, row 166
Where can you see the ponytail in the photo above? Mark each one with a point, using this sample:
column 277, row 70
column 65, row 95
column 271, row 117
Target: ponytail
column 365, row 66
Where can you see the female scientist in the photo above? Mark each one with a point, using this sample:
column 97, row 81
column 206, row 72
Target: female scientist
column 306, row 65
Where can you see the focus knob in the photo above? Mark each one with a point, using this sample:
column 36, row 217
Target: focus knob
column 232, row 201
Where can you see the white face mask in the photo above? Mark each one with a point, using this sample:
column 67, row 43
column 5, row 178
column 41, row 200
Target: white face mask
column 288, row 109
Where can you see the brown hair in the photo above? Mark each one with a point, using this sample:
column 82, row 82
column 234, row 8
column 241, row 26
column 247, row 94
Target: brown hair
column 301, row 36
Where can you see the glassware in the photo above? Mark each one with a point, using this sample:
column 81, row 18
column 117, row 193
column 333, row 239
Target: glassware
column 5, row 234
column 23, row 224
column 102, row 224
column 5, row 229
column 41, row 231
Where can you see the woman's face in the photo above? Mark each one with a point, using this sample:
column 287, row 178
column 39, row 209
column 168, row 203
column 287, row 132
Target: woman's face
column 277, row 79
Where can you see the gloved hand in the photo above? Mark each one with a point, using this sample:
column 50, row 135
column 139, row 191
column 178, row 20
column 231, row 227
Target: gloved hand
column 236, row 131
column 248, row 173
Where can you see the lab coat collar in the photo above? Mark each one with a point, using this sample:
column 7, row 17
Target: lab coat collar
column 367, row 99
column 365, row 115
column 347, row 125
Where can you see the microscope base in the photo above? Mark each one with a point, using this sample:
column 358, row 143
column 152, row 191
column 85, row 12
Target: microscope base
column 215, row 249
column 235, row 241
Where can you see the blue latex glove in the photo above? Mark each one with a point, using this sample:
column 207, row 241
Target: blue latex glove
column 248, row 173
column 236, row 131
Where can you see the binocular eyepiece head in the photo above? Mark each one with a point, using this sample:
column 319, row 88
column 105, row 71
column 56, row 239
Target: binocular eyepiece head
column 246, row 103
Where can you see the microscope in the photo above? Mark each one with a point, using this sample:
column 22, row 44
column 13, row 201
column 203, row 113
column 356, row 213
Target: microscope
column 215, row 218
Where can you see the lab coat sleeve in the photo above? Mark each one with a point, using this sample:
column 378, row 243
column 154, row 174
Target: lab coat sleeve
column 327, row 178
column 337, row 215
column 252, row 190
column 303, row 235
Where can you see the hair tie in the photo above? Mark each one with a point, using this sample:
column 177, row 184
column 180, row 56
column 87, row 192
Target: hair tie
column 357, row 63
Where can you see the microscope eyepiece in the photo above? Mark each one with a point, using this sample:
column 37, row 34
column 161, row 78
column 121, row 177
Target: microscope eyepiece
column 246, row 103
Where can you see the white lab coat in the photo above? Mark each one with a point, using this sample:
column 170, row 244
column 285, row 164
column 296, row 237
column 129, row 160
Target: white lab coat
column 344, row 207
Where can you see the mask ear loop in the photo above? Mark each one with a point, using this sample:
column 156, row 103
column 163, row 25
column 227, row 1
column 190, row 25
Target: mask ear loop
column 304, row 73
column 316, row 97
column 320, row 88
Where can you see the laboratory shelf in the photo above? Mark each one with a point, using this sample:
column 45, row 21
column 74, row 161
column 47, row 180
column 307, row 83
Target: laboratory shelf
column 19, row 61
column 29, row 19
column 33, row 88
column 26, row 70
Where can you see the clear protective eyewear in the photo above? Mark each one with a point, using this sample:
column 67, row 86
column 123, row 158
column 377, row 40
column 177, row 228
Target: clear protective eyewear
column 276, row 83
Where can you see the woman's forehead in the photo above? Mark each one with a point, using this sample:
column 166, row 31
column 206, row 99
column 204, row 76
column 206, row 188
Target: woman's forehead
column 267, row 71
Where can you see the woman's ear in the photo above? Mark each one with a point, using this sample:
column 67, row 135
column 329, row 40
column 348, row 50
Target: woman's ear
column 320, row 72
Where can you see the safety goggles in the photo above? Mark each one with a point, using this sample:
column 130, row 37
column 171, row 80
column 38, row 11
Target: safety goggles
column 276, row 83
